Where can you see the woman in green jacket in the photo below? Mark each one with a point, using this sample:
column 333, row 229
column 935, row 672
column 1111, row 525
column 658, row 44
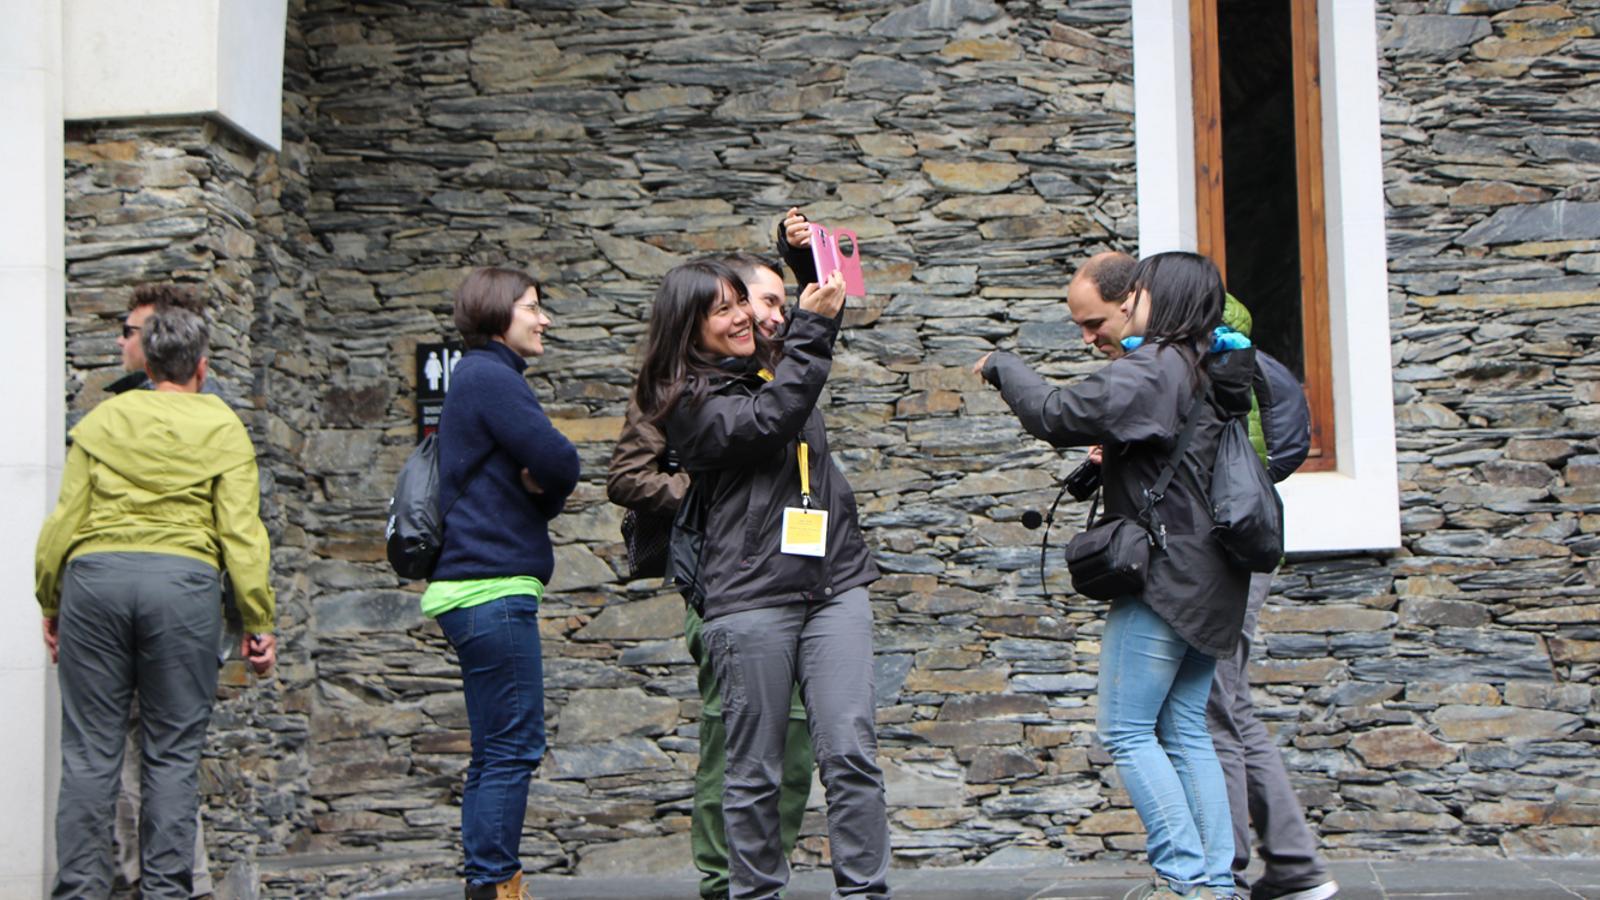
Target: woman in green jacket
column 160, row 494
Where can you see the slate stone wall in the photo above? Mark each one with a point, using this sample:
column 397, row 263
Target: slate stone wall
column 976, row 150
column 1436, row 700
column 1474, row 702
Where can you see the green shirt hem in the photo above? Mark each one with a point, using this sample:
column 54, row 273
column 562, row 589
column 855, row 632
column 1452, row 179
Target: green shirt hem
column 444, row 596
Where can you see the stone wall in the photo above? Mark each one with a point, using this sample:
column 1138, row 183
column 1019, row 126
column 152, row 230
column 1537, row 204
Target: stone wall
column 1435, row 700
column 977, row 151
column 1460, row 712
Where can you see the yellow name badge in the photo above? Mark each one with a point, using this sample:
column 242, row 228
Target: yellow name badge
column 805, row 532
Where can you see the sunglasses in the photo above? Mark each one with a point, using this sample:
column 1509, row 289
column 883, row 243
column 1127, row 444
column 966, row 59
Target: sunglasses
column 128, row 331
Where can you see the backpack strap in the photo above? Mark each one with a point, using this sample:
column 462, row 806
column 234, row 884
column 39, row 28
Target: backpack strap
column 1152, row 495
column 472, row 474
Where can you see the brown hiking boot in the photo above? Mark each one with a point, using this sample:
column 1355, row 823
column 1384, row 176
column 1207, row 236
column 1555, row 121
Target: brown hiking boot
column 510, row 889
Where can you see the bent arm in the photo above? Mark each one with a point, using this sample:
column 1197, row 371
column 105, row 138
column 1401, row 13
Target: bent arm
column 55, row 538
column 798, row 259
column 1127, row 402
column 520, row 426
column 635, row 479
column 236, row 507
column 729, row 430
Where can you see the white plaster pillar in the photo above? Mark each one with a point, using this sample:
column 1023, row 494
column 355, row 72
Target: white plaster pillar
column 32, row 346
column 1163, row 126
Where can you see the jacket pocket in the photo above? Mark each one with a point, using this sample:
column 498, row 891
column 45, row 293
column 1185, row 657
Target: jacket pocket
column 762, row 497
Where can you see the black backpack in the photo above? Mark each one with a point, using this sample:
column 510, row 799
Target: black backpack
column 1247, row 513
column 415, row 531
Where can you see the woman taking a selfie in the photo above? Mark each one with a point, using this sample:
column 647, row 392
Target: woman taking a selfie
column 782, row 570
column 1161, row 644
column 504, row 473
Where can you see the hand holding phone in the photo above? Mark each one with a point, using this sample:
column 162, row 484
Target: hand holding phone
column 838, row 251
column 825, row 299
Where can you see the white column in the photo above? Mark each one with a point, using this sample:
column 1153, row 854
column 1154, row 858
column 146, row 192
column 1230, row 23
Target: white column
column 1163, row 126
column 32, row 345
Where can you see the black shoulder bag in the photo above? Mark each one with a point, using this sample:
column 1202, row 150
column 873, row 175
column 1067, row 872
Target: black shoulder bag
column 1110, row 560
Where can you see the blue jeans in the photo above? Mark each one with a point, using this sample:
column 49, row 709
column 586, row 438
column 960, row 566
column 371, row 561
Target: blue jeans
column 1153, row 690
column 503, row 678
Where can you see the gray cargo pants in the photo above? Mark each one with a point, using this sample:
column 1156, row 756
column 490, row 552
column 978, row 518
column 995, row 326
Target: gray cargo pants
column 146, row 623
column 1258, row 784
column 125, row 833
column 759, row 654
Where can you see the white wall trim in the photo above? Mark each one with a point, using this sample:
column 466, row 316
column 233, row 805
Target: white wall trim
column 1163, row 138
column 1356, row 507
column 176, row 58
column 32, row 278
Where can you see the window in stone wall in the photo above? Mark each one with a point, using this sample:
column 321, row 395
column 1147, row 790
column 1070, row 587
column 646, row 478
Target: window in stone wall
column 1258, row 182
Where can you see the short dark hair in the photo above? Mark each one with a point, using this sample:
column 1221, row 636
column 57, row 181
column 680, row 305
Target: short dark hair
column 746, row 265
column 175, row 340
column 167, row 296
column 483, row 302
column 1111, row 274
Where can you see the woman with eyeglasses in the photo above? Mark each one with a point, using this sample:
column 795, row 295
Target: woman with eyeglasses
column 504, row 473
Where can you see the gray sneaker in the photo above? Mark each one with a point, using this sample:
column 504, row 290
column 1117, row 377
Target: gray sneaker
column 1265, row 891
column 1153, row 890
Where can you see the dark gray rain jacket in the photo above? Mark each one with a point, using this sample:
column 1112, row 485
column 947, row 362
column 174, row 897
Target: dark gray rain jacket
column 1135, row 407
column 740, row 446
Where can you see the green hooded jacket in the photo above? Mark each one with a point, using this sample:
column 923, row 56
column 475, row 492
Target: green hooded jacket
column 1235, row 316
column 161, row 472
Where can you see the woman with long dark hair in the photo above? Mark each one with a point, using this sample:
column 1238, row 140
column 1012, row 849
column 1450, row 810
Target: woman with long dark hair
column 1160, row 646
column 781, row 575
column 504, row 473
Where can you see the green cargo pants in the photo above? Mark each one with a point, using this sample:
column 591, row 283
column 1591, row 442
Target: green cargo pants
column 706, row 836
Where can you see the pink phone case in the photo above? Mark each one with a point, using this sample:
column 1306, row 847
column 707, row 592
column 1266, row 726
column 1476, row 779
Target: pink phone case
column 828, row 256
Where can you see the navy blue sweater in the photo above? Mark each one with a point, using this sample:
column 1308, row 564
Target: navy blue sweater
column 492, row 417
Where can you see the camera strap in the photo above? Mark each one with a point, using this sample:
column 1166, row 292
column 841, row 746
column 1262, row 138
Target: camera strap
column 1147, row 516
column 1044, row 542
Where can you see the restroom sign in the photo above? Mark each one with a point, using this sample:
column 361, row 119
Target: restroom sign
column 435, row 364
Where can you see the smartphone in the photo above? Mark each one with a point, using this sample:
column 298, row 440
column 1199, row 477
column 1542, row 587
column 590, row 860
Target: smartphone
column 838, row 251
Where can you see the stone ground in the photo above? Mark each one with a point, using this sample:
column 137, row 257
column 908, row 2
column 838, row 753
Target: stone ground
column 1525, row 879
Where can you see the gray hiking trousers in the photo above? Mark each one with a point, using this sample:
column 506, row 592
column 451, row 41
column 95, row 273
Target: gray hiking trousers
column 1259, row 791
column 145, row 623
column 759, row 655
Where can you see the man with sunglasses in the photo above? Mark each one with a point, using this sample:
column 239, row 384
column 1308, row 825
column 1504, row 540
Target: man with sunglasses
column 147, row 300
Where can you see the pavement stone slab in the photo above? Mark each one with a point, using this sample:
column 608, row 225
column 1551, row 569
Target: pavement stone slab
column 1386, row 879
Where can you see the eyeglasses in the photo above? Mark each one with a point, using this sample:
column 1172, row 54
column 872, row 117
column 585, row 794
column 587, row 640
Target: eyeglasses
column 128, row 331
column 535, row 308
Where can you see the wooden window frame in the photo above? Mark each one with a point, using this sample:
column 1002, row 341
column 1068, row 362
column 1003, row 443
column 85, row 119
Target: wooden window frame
column 1209, row 221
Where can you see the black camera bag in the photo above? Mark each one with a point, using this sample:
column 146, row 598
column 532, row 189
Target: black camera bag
column 1109, row 560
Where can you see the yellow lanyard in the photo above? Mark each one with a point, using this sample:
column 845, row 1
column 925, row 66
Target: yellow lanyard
column 805, row 474
column 805, row 456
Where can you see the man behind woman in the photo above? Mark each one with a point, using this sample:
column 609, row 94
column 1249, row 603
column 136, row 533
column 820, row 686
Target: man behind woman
column 159, row 497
